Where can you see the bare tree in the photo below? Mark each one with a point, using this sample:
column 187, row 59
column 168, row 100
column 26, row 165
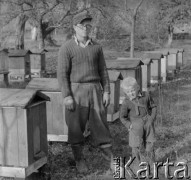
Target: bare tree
column 129, row 15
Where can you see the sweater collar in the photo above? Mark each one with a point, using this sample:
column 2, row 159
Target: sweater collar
column 88, row 42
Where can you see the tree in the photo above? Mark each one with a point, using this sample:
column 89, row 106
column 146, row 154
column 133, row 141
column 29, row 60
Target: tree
column 129, row 15
column 41, row 14
column 173, row 12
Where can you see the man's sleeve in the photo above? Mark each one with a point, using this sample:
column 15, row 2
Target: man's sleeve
column 103, row 72
column 124, row 111
column 63, row 71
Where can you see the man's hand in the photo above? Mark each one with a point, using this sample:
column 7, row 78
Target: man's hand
column 69, row 103
column 106, row 99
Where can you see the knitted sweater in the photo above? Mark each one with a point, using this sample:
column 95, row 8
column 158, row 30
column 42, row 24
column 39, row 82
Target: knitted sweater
column 81, row 65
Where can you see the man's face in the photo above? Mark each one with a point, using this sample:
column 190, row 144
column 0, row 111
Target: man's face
column 131, row 92
column 83, row 29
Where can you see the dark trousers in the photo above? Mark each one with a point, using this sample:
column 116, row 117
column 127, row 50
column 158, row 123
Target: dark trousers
column 88, row 107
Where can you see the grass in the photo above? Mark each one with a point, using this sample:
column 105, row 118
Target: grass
column 172, row 124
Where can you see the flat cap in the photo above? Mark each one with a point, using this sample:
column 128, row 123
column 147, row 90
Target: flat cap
column 77, row 19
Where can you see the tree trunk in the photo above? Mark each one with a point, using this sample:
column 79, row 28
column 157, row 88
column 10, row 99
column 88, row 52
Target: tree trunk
column 170, row 35
column 20, row 31
column 132, row 38
column 40, row 35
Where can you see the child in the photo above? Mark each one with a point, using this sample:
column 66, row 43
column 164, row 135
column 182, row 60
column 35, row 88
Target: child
column 138, row 113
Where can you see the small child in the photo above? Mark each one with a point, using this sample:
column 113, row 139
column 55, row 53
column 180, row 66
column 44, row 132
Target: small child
column 138, row 113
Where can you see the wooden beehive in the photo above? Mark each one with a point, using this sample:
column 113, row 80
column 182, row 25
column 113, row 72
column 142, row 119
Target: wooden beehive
column 56, row 125
column 172, row 60
column 23, row 131
column 180, row 58
column 164, row 63
column 38, row 63
column 127, row 67
column 4, row 60
column 155, row 66
column 146, row 74
column 19, row 65
column 4, row 66
column 113, row 108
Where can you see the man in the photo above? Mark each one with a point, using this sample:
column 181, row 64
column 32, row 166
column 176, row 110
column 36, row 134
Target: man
column 84, row 83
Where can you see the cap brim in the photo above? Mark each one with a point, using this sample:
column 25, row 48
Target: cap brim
column 86, row 19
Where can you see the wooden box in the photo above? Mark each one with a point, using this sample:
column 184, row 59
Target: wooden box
column 4, row 60
column 56, row 126
column 146, row 74
column 180, row 58
column 19, row 65
column 127, row 67
column 172, row 60
column 38, row 63
column 164, row 63
column 23, row 132
column 113, row 108
column 155, row 66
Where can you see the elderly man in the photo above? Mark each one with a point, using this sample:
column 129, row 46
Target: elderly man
column 84, row 83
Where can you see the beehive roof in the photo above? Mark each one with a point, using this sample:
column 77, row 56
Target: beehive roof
column 123, row 64
column 165, row 52
column 39, row 51
column 128, row 59
column 19, row 97
column 19, row 52
column 153, row 55
column 4, row 50
column 172, row 50
column 114, row 75
column 44, row 84
column 147, row 61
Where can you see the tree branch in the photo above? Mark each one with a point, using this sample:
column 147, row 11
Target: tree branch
column 138, row 6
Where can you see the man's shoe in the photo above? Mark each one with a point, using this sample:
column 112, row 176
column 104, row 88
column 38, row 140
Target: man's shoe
column 81, row 166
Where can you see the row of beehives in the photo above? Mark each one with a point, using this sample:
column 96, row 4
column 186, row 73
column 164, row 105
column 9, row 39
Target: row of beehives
column 22, row 64
column 154, row 66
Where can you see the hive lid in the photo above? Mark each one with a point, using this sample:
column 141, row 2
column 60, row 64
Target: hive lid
column 154, row 55
column 171, row 50
column 181, row 50
column 147, row 61
column 44, row 84
column 123, row 64
column 39, row 51
column 19, row 53
column 4, row 50
column 20, row 97
column 165, row 52
column 128, row 59
column 114, row 76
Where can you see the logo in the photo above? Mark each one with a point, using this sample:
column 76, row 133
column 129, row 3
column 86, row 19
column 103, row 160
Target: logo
column 178, row 170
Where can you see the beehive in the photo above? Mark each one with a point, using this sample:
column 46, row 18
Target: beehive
column 113, row 108
column 56, row 125
column 172, row 60
column 155, row 66
column 127, row 67
column 4, row 60
column 146, row 74
column 164, row 63
column 19, row 65
column 180, row 58
column 23, row 131
column 38, row 63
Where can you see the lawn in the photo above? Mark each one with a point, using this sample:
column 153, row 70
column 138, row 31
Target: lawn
column 173, row 127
